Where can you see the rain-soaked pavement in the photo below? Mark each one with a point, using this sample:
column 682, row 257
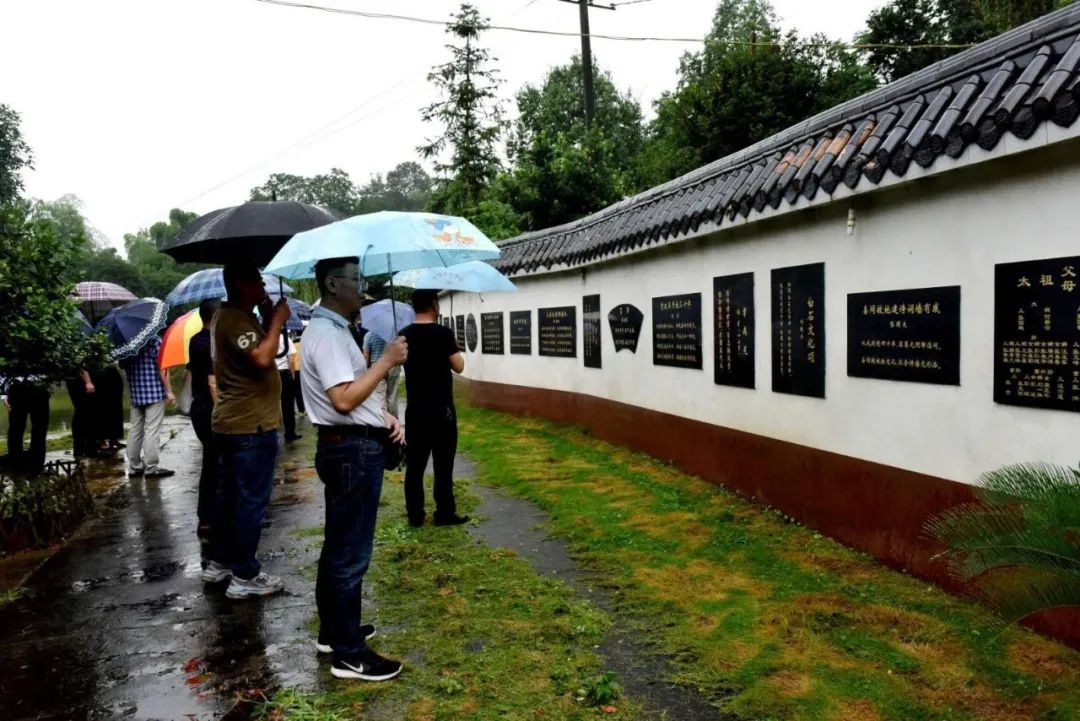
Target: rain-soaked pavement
column 118, row 624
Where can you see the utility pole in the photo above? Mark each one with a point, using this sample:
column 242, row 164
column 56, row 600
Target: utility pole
column 586, row 56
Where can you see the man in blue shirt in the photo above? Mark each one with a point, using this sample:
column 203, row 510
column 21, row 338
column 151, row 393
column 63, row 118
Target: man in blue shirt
column 149, row 389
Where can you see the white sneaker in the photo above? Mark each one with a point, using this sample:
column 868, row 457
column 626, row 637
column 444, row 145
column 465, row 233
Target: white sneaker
column 367, row 629
column 262, row 585
column 215, row 572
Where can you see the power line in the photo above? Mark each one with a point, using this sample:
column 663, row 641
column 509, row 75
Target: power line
column 623, row 38
column 329, row 130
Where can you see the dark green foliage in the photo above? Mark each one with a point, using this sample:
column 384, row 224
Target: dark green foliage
column 14, row 155
column 939, row 22
column 406, row 187
column 731, row 95
column 36, row 313
column 469, row 116
column 1021, row 542
column 563, row 170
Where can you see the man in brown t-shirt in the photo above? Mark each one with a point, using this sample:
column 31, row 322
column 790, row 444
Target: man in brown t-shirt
column 245, row 423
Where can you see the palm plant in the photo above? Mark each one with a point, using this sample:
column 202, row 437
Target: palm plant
column 1019, row 546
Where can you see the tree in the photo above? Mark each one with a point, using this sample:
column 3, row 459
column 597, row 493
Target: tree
column 158, row 272
column 562, row 168
column 334, row 190
column 14, row 155
column 36, row 311
column 903, row 23
column 1018, row 544
column 736, row 91
column 406, row 187
column 470, row 115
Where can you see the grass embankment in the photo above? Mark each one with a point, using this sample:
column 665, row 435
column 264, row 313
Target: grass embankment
column 482, row 636
column 770, row 619
column 777, row 620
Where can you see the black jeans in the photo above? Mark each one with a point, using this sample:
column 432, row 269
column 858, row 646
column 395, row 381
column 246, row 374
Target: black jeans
column 351, row 470
column 201, row 411
column 28, row 402
column 82, row 417
column 289, row 392
column 430, row 434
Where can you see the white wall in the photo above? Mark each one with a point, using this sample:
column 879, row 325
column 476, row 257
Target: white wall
column 945, row 230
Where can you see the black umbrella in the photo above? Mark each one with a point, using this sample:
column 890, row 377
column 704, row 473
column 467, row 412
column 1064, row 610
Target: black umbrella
column 253, row 232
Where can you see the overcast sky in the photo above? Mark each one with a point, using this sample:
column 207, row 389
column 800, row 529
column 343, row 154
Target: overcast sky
column 139, row 106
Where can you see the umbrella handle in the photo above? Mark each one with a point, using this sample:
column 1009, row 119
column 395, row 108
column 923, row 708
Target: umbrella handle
column 393, row 303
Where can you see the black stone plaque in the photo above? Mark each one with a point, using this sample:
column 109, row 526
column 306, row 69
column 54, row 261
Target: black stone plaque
column 491, row 331
column 1037, row 334
column 625, row 321
column 905, row 335
column 798, row 330
column 470, row 332
column 590, row 330
column 521, row 332
column 459, row 331
column 558, row 331
column 676, row 323
column 733, row 305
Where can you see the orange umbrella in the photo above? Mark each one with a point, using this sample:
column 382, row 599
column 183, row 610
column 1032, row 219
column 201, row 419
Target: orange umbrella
column 174, row 346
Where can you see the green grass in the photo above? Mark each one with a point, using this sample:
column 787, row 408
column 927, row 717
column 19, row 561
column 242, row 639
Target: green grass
column 482, row 636
column 777, row 620
column 11, row 595
column 772, row 620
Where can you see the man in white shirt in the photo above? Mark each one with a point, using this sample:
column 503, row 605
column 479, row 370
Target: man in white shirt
column 342, row 402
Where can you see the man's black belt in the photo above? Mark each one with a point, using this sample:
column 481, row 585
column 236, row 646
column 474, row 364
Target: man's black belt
column 336, row 434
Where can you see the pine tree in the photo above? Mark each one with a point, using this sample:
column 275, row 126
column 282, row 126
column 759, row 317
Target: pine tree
column 470, row 114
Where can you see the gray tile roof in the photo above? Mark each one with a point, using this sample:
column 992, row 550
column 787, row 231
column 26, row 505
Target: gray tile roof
column 1011, row 84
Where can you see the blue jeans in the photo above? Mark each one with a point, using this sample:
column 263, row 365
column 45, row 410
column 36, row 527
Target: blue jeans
column 352, row 472
column 246, row 477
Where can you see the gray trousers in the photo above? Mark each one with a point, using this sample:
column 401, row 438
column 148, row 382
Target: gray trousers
column 144, row 433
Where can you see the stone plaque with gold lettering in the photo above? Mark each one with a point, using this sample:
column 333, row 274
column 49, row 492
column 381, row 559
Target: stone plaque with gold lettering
column 733, row 305
column 676, row 323
column 521, row 332
column 1037, row 334
column 798, row 330
column 471, row 332
column 491, row 332
column 625, row 322
column 590, row 330
column 905, row 335
column 558, row 331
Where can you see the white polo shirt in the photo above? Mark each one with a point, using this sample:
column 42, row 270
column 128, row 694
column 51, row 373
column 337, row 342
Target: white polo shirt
column 328, row 357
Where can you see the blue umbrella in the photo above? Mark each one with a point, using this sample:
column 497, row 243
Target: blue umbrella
column 206, row 284
column 386, row 317
column 299, row 312
column 475, row 276
column 82, row 323
column 385, row 242
column 132, row 325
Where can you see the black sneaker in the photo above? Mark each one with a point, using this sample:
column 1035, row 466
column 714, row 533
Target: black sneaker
column 417, row 522
column 366, row 629
column 366, row 666
column 454, row 520
column 159, row 472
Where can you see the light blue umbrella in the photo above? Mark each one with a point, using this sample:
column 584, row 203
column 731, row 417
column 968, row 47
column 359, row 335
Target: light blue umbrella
column 210, row 283
column 385, row 242
column 475, row 276
column 386, row 317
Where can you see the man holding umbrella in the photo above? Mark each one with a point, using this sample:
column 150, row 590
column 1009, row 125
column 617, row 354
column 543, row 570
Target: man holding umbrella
column 245, row 422
column 342, row 399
